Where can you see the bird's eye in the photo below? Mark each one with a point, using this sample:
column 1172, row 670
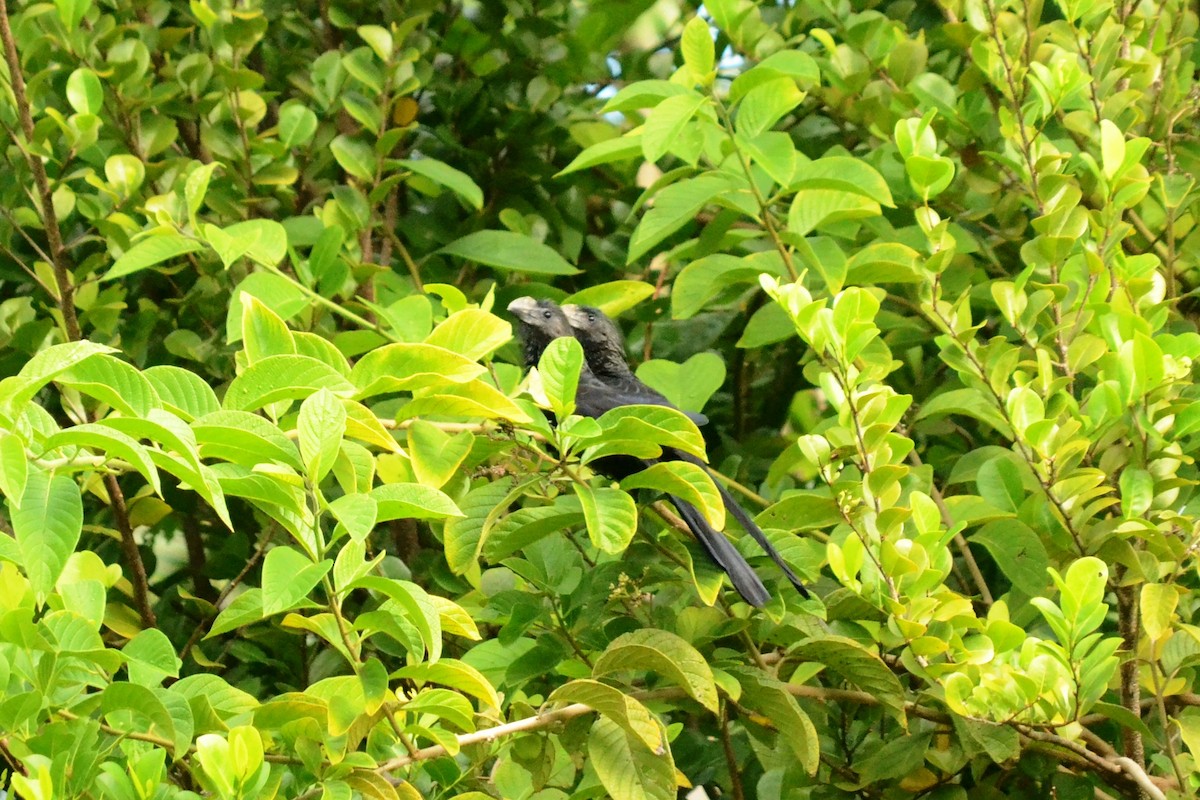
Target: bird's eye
column 545, row 315
column 591, row 317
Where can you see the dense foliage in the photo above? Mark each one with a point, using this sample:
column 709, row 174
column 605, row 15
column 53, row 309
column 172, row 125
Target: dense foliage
column 285, row 518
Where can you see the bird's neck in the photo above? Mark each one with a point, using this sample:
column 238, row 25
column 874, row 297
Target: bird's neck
column 608, row 364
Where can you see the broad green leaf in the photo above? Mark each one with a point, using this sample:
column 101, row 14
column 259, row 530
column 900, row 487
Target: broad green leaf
column 196, row 187
column 72, row 12
column 244, row 438
column 968, row 402
column 666, row 123
column 110, row 442
column 112, row 381
column 263, row 241
column 243, row 610
column 297, row 124
column 705, row 278
column 652, row 426
column 418, row 608
column 697, row 48
column 621, row 148
column 403, row 367
column 125, row 173
column 895, row 758
column 688, row 385
column 445, row 175
column 509, row 251
column 449, row 707
column 813, row 207
column 275, row 291
column 283, row 377
column 626, row 768
column 121, row 701
column 462, row 535
column 150, row 658
column 263, row 332
column 288, row 577
column 883, row 262
column 765, row 105
column 320, row 425
column 613, row 298
column 773, row 151
column 357, row 513
column 768, row 697
column 859, row 667
column 412, row 501
column 559, row 369
column 1018, row 552
column 803, row 510
column 84, row 92
column 1112, row 148
column 436, row 455
column 1158, row 604
column 472, row 333
column 610, row 515
column 354, row 156
column 46, row 525
column 643, row 94
column 794, row 64
column 19, row 389
column 684, row 480
column 666, row 654
column 14, row 468
column 455, row 674
column 530, row 524
column 473, row 399
column 844, row 174
column 633, row 717
column 674, row 207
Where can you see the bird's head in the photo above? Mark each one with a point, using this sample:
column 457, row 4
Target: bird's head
column 542, row 321
column 593, row 327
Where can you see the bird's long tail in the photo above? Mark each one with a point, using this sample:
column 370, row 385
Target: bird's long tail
column 757, row 534
column 723, row 554
column 746, row 521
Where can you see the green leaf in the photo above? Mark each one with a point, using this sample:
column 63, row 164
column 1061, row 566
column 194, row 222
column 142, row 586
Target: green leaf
column 666, row 654
column 354, row 156
column 773, row 151
column 243, row 610
column 650, row 426
column 884, row 262
column 72, row 12
column 110, row 442
column 666, row 123
column 527, row 525
column 403, row 367
column 445, row 175
column 859, row 667
column 684, row 480
column 812, row 208
column 613, row 298
column 844, row 174
column 244, row 438
column 283, row 377
column 688, row 385
column 1137, row 492
column 263, row 241
column 633, row 717
column 894, row 759
column 419, row 610
column 559, row 369
column 111, row 381
column 150, row 658
column 697, row 49
column 968, row 402
column 621, row 148
column 765, row 105
column 412, row 501
column 119, row 701
column 456, row 675
column 436, row 455
column 46, row 525
column 1158, row 604
column 472, row 333
column 196, row 187
column 288, row 577
column 674, row 207
column 263, row 332
column 803, row 510
column 277, row 292
column 770, row 698
column 14, row 468
column 19, row 389
column 320, row 426
column 357, row 513
column 1018, row 552
column 626, row 768
column 297, row 124
column 509, row 251
column 462, row 535
column 84, row 92
column 611, row 517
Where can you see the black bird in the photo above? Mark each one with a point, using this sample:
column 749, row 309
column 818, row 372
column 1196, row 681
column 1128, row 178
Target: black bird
column 541, row 322
column 604, row 349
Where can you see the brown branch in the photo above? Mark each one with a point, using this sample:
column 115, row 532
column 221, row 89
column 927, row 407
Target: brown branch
column 58, row 251
column 133, row 556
